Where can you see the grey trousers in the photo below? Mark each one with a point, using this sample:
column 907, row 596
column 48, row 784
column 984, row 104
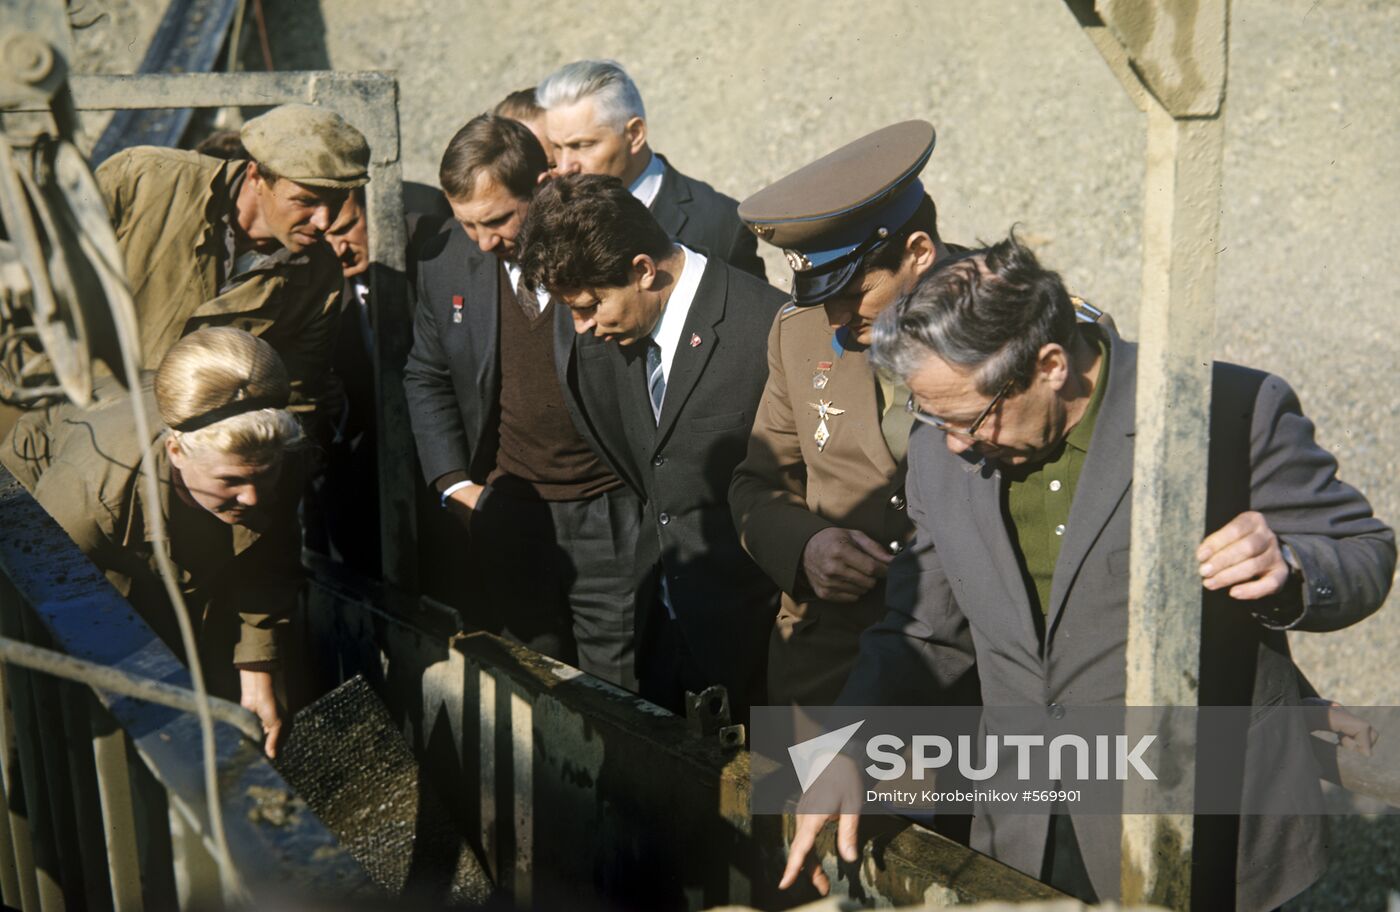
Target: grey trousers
column 559, row 577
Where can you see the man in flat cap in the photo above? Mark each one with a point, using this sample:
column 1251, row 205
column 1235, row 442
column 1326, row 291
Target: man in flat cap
column 209, row 242
column 667, row 370
column 819, row 499
column 596, row 124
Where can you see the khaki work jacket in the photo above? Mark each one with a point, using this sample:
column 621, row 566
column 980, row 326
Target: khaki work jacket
column 241, row 584
column 168, row 208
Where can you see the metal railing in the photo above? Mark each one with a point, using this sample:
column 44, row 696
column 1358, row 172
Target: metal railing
column 104, row 808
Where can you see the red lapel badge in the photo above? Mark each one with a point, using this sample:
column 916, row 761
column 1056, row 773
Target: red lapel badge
column 457, row 308
column 694, row 340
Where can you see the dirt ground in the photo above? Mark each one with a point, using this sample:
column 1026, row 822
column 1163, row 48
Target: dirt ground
column 1032, row 130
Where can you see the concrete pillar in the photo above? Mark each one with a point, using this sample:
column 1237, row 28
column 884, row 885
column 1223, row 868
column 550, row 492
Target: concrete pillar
column 1171, row 56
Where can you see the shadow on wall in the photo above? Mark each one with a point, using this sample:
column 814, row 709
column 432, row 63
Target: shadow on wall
column 296, row 40
column 296, row 31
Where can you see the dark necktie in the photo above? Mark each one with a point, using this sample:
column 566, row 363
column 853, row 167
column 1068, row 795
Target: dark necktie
column 527, row 299
column 656, row 379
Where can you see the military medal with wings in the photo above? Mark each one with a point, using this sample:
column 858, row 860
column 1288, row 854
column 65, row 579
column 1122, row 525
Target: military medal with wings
column 825, row 410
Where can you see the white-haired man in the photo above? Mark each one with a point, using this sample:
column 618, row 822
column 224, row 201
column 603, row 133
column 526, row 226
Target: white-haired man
column 596, row 124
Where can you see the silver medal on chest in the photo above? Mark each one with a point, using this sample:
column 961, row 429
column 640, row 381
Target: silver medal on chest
column 825, row 410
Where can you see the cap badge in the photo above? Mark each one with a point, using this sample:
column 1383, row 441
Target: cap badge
column 798, row 261
column 825, row 410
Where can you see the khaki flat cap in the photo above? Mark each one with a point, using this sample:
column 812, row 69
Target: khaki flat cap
column 829, row 214
column 309, row 145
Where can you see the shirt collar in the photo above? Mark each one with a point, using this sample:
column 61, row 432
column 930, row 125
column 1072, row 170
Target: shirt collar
column 667, row 331
column 648, row 183
column 236, row 265
column 1083, row 432
column 513, row 273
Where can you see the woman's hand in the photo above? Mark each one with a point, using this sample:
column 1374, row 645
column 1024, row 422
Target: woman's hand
column 259, row 697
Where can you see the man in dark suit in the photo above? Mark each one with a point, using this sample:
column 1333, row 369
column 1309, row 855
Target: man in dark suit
column 1019, row 486
column 668, row 369
column 596, row 124
column 552, row 529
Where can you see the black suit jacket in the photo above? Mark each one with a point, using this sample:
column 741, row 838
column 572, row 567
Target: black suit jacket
column 453, row 377
column 724, row 603
column 702, row 218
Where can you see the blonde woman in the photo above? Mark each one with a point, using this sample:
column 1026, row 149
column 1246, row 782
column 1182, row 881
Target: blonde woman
column 229, row 491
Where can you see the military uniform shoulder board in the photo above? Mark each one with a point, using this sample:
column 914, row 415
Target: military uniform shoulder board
column 1085, row 312
column 788, row 311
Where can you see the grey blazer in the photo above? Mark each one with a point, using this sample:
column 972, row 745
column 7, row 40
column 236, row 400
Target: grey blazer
column 958, row 611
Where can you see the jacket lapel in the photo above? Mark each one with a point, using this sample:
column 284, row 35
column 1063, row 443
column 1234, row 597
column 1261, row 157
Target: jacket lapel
column 1107, row 472
column 687, row 364
column 596, row 376
column 984, row 501
column 874, row 443
column 671, row 201
column 482, row 292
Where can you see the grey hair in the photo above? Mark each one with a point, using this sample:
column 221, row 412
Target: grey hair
column 990, row 311
column 615, row 96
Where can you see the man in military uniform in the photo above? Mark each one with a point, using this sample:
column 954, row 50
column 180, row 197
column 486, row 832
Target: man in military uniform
column 819, row 499
column 208, row 242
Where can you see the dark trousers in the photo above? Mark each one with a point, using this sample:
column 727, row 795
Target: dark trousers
column 1064, row 868
column 558, row 577
column 665, row 667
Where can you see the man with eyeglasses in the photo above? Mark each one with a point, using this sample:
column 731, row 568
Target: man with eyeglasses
column 1019, row 485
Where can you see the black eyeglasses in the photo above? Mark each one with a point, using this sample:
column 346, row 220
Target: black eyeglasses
column 971, row 430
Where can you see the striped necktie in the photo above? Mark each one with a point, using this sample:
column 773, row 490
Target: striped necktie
column 656, row 379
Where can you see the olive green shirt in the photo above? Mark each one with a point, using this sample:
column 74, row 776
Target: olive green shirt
column 1037, row 497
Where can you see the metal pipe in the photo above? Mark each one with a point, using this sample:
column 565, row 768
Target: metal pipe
column 103, row 677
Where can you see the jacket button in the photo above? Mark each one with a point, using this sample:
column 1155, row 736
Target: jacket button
column 1055, row 711
column 897, row 501
column 896, row 547
column 664, row 518
column 658, row 460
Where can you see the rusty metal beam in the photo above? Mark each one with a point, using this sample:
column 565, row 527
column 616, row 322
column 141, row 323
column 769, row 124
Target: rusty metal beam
column 103, row 677
column 662, row 816
column 1176, row 53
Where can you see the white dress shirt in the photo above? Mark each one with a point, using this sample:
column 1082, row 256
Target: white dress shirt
column 648, row 183
column 667, row 335
column 667, row 331
column 513, row 273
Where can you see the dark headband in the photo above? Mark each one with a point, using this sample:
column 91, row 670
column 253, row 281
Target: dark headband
column 230, row 409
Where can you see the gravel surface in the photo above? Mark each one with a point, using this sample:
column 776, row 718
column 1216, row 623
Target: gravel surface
column 1032, row 129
